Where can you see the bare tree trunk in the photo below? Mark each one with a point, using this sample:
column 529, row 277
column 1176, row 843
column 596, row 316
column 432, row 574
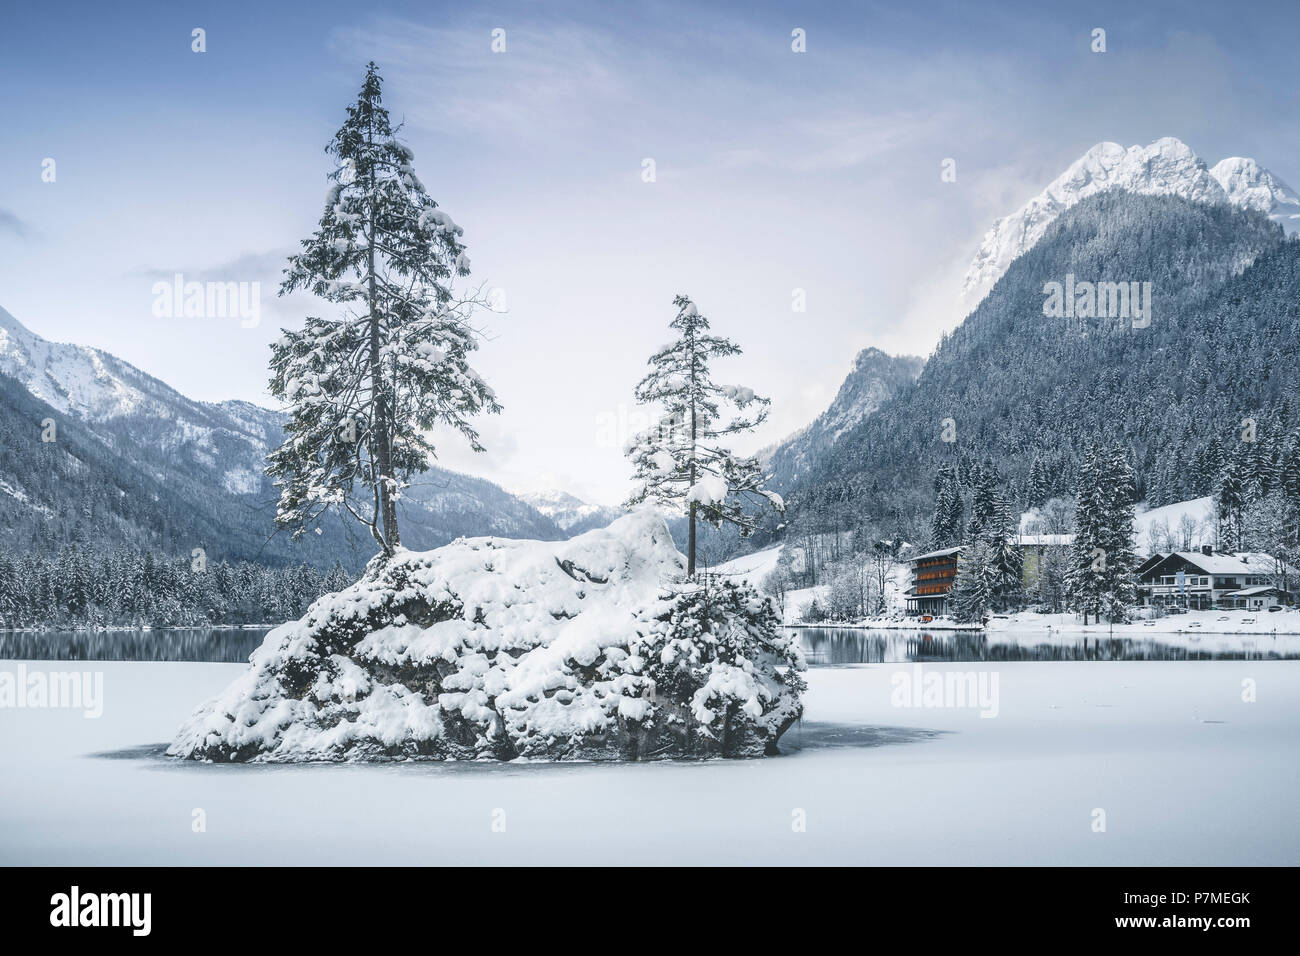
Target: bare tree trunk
column 690, row 557
column 383, row 426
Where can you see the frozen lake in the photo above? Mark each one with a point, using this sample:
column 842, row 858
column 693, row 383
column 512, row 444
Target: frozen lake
column 1186, row 772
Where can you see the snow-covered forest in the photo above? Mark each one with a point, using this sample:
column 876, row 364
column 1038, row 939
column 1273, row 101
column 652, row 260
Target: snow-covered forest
column 81, row 587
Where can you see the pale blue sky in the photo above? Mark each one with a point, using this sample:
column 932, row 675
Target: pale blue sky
column 775, row 171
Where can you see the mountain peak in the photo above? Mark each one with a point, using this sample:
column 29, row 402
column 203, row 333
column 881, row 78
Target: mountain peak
column 1167, row 166
column 1251, row 186
column 203, row 464
column 65, row 377
column 552, row 497
column 875, row 378
column 870, row 355
column 569, row 512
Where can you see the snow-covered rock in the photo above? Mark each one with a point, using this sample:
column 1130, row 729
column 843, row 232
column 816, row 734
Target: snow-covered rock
column 1166, row 167
column 591, row 648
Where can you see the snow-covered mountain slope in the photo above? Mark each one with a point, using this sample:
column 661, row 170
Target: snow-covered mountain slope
column 1249, row 185
column 752, row 568
column 1023, row 388
column 117, row 399
column 874, row 379
column 572, row 514
column 1180, row 526
column 202, row 460
column 1166, row 167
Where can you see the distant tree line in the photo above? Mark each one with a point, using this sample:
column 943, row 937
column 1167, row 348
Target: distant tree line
column 79, row 587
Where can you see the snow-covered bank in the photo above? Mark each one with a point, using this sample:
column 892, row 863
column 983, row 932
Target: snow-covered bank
column 589, row 648
column 1029, row 623
column 1186, row 771
column 752, row 568
column 890, row 624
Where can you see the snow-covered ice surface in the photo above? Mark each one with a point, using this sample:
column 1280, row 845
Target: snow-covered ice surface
column 1186, row 772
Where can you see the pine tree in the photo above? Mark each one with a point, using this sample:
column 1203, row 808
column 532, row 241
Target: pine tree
column 1157, row 493
column 973, row 588
column 1037, row 487
column 682, row 461
column 1121, row 590
column 1230, row 503
column 1051, row 580
column 1287, row 477
column 1257, row 470
column 1087, row 554
column 945, row 529
column 364, row 388
column 1208, row 466
column 983, row 501
column 1099, row 579
column 1005, row 555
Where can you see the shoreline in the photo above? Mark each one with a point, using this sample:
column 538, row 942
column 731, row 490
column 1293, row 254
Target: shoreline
column 1052, row 625
column 133, row 629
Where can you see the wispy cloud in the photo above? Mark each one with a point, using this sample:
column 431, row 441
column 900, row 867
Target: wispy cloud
column 548, row 79
column 246, row 267
column 11, row 224
column 726, row 97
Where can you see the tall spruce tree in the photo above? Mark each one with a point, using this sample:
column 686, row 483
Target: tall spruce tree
column 992, row 526
column 1230, row 499
column 983, row 500
column 945, row 529
column 1122, row 592
column 1050, row 586
column 973, row 589
column 1036, row 485
column 365, row 387
column 1100, row 577
column 682, row 461
column 1007, row 560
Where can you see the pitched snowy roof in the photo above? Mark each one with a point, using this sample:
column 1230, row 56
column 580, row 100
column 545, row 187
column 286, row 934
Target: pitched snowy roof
column 936, row 554
column 1062, row 540
column 1243, row 562
column 1255, row 591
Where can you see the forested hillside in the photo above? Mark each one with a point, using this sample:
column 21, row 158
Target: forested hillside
column 874, row 379
column 1025, row 393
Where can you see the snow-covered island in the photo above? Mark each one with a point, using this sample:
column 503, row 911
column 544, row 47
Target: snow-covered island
column 489, row 648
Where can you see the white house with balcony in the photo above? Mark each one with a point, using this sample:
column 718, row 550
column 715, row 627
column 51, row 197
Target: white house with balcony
column 1205, row 579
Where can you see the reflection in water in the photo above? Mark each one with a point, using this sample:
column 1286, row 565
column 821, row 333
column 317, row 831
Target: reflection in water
column 831, row 646
column 823, row 646
column 223, row 646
